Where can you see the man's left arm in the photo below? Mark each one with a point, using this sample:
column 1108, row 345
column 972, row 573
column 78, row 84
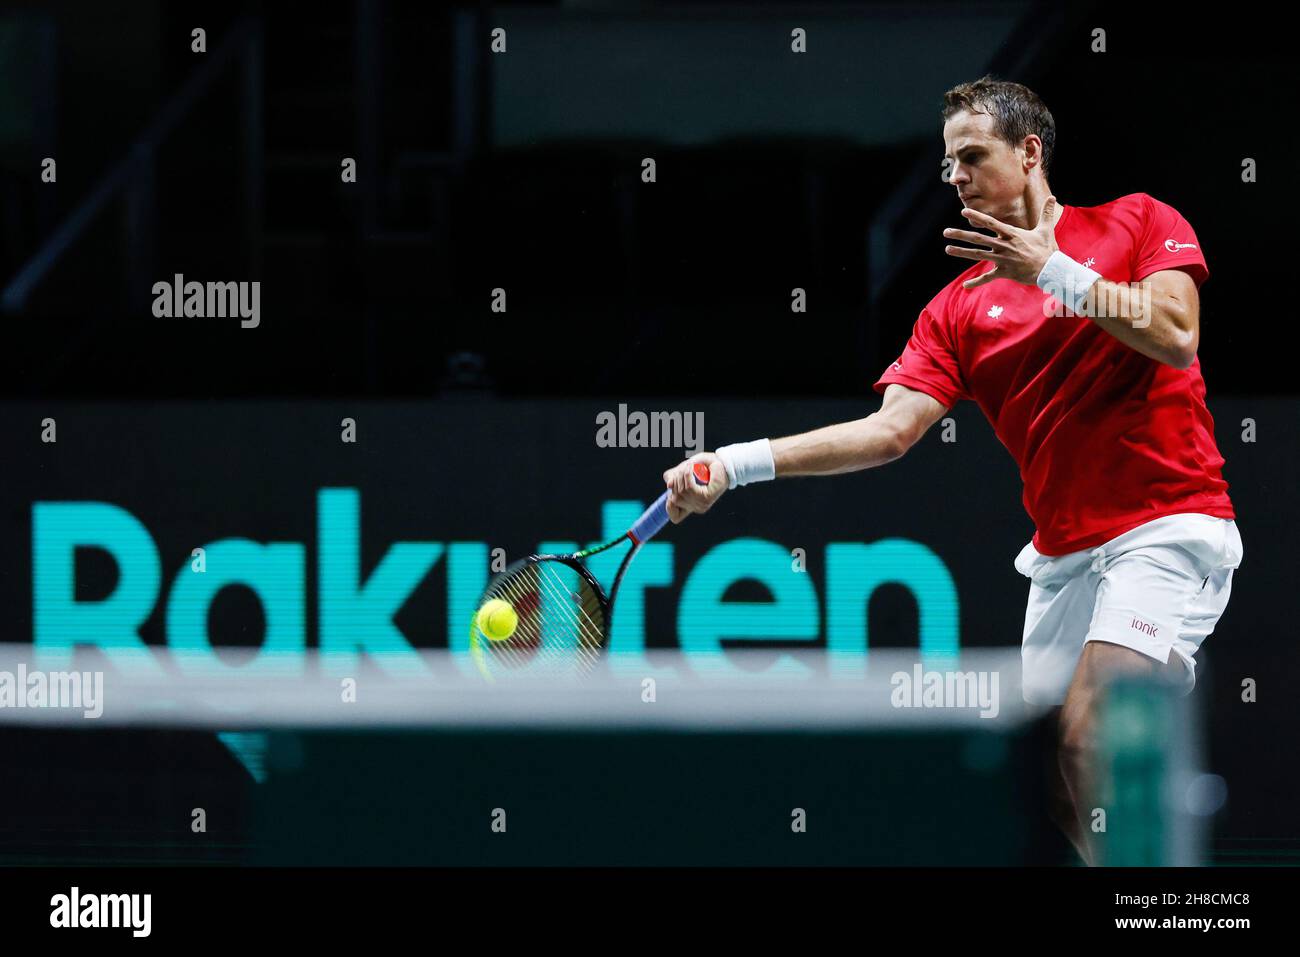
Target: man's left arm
column 1159, row 317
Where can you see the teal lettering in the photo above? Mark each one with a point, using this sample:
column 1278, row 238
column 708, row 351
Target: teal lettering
column 704, row 619
column 59, row 621
column 275, row 573
column 356, row 618
column 855, row 570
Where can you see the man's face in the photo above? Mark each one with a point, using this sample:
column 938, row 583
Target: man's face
column 988, row 174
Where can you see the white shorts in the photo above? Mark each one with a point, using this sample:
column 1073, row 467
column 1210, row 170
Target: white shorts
column 1158, row 589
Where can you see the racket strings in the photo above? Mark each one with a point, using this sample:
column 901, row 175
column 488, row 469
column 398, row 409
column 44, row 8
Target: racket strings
column 555, row 623
column 527, row 634
column 556, row 626
column 582, row 627
column 524, row 594
column 576, row 622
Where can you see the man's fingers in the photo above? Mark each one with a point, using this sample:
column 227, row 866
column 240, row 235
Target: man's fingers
column 685, row 495
column 961, row 252
column 981, row 279
column 979, row 239
column 673, row 478
column 682, row 505
column 693, row 498
column 986, row 221
column 681, row 477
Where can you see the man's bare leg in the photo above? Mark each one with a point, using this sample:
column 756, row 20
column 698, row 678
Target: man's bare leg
column 1061, row 805
column 1077, row 743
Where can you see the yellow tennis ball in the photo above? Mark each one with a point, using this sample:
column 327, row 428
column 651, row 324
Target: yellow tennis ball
column 497, row 619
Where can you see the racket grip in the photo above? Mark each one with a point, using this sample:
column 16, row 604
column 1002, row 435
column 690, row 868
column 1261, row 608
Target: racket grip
column 654, row 518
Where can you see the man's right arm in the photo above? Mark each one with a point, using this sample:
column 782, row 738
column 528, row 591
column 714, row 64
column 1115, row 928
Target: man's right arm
column 885, row 435
column 881, row 437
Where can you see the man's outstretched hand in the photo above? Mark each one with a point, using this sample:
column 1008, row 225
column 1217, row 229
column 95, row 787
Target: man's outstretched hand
column 685, row 495
column 1017, row 254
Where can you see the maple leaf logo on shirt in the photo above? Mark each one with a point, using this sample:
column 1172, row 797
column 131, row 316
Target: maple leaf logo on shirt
column 995, row 311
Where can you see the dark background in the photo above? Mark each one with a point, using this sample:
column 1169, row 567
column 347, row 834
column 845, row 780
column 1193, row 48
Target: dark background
column 774, row 171
column 195, row 472
column 521, row 171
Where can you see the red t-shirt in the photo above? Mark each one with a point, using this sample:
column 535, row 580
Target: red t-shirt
column 1106, row 438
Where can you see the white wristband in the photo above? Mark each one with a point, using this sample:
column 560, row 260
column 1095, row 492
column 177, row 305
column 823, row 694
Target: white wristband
column 1067, row 280
column 748, row 462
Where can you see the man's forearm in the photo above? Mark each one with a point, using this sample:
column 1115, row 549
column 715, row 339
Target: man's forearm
column 1154, row 327
column 835, row 449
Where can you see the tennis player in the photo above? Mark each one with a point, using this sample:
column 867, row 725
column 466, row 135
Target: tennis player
column 1075, row 330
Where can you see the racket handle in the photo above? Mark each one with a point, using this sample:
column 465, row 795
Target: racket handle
column 654, row 518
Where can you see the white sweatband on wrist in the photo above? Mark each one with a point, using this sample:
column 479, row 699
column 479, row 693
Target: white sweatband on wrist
column 748, row 462
column 1067, row 280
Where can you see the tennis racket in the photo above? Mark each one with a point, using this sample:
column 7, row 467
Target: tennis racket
column 564, row 616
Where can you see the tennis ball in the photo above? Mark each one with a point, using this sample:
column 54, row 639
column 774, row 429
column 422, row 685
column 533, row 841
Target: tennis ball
column 497, row 619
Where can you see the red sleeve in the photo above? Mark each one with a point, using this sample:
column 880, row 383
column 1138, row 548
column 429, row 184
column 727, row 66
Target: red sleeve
column 1167, row 242
column 928, row 363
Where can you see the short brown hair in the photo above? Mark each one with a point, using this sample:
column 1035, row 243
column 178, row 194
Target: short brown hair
column 1016, row 110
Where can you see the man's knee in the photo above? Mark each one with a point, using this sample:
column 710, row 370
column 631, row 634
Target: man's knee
column 1100, row 663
